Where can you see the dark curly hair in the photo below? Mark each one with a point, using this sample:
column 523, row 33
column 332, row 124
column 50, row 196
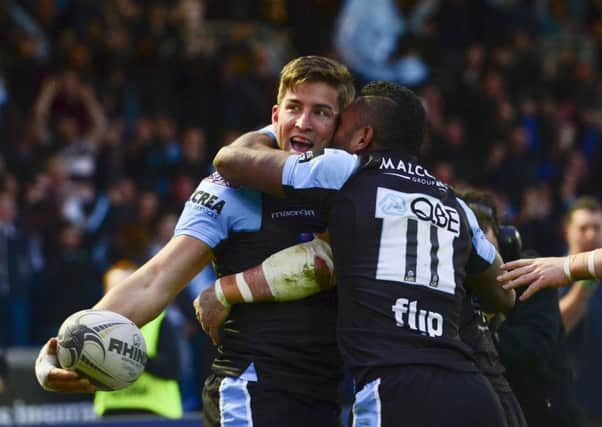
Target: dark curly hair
column 412, row 116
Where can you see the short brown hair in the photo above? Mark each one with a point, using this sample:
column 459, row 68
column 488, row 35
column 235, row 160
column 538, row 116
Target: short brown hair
column 587, row 203
column 318, row 69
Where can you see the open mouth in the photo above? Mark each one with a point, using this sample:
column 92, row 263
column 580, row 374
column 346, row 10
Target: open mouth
column 300, row 144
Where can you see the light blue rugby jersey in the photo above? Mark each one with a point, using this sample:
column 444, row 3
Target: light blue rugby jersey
column 216, row 209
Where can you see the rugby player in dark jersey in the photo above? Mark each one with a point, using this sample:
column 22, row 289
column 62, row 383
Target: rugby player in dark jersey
column 404, row 248
column 474, row 326
column 278, row 363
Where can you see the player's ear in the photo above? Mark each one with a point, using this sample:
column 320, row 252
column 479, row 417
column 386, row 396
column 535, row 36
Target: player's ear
column 275, row 114
column 363, row 139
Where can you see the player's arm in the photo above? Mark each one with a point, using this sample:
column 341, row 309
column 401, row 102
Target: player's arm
column 483, row 269
column 492, row 296
column 290, row 274
column 552, row 272
column 147, row 291
column 140, row 297
column 252, row 161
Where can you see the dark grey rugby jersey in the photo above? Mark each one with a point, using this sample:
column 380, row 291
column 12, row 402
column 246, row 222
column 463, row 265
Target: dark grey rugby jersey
column 292, row 345
column 403, row 244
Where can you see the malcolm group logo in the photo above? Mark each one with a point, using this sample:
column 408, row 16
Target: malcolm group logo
column 410, row 171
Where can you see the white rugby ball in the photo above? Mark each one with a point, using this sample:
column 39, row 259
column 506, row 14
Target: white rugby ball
column 103, row 346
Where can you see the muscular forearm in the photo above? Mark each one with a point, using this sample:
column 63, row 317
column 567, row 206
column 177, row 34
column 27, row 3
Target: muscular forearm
column 290, row 274
column 252, row 162
column 492, row 296
column 146, row 292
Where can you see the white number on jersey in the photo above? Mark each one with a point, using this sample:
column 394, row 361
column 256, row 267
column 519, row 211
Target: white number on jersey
column 416, row 245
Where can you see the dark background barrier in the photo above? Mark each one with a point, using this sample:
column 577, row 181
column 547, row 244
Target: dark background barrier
column 25, row 403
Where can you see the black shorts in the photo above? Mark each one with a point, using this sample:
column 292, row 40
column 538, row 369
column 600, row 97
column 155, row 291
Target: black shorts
column 244, row 402
column 423, row 396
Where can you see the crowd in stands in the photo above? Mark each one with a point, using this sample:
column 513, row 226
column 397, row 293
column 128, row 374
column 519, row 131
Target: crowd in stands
column 111, row 111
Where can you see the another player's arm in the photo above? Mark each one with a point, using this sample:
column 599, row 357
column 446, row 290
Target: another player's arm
column 492, row 297
column 551, row 272
column 483, row 269
column 252, row 161
column 290, row 274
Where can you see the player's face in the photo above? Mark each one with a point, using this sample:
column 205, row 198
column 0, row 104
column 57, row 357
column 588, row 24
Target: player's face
column 306, row 117
column 584, row 232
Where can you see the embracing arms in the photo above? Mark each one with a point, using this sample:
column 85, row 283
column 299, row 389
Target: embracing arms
column 251, row 161
column 293, row 273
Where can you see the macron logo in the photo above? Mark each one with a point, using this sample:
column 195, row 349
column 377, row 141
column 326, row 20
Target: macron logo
column 293, row 213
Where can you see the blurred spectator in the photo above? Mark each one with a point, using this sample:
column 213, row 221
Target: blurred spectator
column 67, row 115
column 581, row 309
column 195, row 159
column 70, row 283
column 15, row 276
column 368, row 35
column 532, row 344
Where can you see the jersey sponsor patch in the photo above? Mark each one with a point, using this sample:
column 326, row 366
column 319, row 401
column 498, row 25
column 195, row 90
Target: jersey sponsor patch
column 417, row 238
column 410, row 171
column 409, row 315
column 212, row 204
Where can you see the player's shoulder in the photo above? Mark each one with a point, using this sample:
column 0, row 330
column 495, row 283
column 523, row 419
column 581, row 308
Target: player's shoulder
column 214, row 192
column 328, row 170
column 215, row 179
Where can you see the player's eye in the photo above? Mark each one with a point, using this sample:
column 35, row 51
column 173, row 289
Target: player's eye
column 324, row 112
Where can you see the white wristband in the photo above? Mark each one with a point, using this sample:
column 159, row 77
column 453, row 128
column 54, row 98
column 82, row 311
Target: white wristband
column 219, row 294
column 590, row 265
column 44, row 364
column 567, row 268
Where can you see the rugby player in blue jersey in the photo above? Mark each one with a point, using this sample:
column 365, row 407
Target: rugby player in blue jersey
column 278, row 364
column 405, row 248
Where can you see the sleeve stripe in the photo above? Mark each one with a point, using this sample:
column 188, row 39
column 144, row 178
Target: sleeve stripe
column 482, row 246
